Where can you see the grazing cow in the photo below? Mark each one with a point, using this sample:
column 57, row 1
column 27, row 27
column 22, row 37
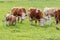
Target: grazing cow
column 36, row 14
column 19, row 12
column 10, row 19
column 49, row 12
column 57, row 17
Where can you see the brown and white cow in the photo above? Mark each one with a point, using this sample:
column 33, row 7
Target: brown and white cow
column 20, row 12
column 57, row 17
column 55, row 12
column 37, row 15
column 49, row 12
column 10, row 19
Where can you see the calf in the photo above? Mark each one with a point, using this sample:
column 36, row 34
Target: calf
column 10, row 19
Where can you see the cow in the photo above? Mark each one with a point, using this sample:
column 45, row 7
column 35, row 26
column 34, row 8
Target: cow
column 37, row 15
column 57, row 17
column 10, row 19
column 53, row 12
column 49, row 12
column 19, row 12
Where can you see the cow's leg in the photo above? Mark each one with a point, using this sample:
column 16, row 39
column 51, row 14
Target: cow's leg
column 41, row 22
column 23, row 16
column 21, row 20
column 31, row 21
column 57, row 25
column 18, row 19
column 7, row 23
column 35, row 21
column 14, row 23
column 48, row 20
column 10, row 23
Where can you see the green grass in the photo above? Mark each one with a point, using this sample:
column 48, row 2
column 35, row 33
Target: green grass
column 25, row 31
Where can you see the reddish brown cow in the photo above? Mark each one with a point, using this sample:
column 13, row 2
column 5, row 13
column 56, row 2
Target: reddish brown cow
column 36, row 14
column 57, row 17
column 10, row 19
column 19, row 12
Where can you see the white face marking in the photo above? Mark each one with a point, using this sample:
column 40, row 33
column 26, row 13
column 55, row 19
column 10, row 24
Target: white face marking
column 16, row 18
column 48, row 19
column 7, row 15
column 42, row 22
column 23, row 16
column 37, row 11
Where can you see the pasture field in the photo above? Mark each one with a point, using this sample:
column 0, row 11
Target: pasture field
column 25, row 31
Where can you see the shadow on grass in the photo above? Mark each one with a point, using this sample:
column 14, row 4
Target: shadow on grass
column 46, row 26
column 15, row 30
column 12, row 28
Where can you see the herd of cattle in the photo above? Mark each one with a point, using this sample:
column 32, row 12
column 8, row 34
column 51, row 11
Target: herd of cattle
column 34, row 14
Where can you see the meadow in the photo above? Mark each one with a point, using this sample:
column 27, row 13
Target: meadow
column 25, row 31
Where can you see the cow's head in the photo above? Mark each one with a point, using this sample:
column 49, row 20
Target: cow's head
column 6, row 19
column 23, row 16
column 48, row 19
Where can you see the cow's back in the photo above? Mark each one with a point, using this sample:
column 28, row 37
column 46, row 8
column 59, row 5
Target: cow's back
column 14, row 11
column 17, row 11
column 35, row 14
